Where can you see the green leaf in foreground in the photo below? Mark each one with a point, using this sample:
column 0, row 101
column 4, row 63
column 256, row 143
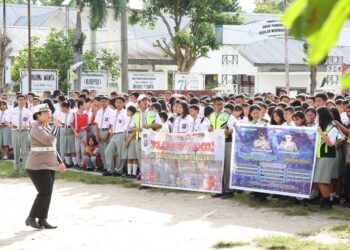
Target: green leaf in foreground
column 323, row 40
column 345, row 81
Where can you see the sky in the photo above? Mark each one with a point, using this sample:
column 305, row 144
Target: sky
column 247, row 5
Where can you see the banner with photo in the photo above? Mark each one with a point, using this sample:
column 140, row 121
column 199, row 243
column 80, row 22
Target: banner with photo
column 192, row 161
column 273, row 159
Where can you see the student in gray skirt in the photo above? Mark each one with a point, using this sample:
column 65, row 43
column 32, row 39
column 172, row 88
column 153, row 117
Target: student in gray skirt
column 5, row 132
column 129, row 153
column 326, row 155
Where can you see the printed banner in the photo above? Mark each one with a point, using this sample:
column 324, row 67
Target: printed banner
column 276, row 160
column 94, row 81
column 192, row 161
column 42, row 80
column 189, row 82
column 148, row 81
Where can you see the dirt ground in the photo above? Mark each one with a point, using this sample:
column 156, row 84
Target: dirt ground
column 111, row 217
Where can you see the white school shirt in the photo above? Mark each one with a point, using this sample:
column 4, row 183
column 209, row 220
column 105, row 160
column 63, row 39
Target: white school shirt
column 332, row 135
column 292, row 124
column 104, row 122
column 183, row 125
column 205, row 124
column 65, row 118
column 243, row 120
column 27, row 117
column 5, row 116
column 165, row 128
column 119, row 120
column 197, row 124
column 344, row 119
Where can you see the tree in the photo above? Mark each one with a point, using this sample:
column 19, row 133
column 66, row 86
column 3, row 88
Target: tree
column 5, row 51
column 57, row 53
column 270, row 6
column 190, row 26
column 320, row 23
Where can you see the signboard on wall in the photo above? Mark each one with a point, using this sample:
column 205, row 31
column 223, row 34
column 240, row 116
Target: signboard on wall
column 148, row 81
column 8, row 71
column 42, row 80
column 94, row 81
column 189, row 82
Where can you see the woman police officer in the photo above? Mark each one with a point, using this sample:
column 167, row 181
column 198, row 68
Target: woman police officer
column 42, row 163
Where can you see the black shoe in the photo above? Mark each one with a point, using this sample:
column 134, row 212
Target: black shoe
column 216, row 195
column 77, row 167
column 325, row 205
column 143, row 187
column 45, row 224
column 107, row 174
column 259, row 197
column 128, row 176
column 30, row 221
column 90, row 169
column 138, row 177
column 133, row 176
column 116, row 174
column 227, row 196
column 69, row 165
column 336, row 201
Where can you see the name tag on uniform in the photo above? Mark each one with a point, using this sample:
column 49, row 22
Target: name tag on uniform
column 120, row 120
column 184, row 126
column 106, row 119
column 25, row 118
column 223, row 118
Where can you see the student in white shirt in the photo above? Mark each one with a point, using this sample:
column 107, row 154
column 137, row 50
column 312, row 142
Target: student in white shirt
column 115, row 145
column 165, row 126
column 184, row 122
column 205, row 121
column 5, row 132
column 238, row 113
column 310, row 114
column 194, row 112
column 20, row 122
column 288, row 116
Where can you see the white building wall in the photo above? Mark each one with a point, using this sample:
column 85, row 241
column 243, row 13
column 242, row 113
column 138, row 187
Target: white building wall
column 269, row 81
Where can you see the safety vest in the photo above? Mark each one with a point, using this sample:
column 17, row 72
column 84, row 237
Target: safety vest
column 323, row 150
column 220, row 122
column 150, row 118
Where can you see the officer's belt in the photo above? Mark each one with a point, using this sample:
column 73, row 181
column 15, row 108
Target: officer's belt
column 43, row 149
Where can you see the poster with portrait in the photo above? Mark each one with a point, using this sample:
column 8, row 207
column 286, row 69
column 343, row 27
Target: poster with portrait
column 273, row 159
column 191, row 161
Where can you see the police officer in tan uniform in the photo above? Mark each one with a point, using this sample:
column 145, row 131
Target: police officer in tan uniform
column 43, row 161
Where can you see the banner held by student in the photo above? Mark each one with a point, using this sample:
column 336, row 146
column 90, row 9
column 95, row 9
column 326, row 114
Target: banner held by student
column 274, row 159
column 192, row 161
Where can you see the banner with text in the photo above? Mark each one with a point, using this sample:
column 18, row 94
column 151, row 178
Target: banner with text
column 94, row 81
column 148, row 81
column 189, row 82
column 275, row 160
column 42, row 80
column 192, row 161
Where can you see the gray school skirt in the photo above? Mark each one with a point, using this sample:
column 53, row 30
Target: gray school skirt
column 323, row 170
column 130, row 152
column 5, row 136
column 66, row 141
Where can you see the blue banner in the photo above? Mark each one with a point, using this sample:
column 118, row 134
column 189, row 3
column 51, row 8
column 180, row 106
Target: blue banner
column 273, row 159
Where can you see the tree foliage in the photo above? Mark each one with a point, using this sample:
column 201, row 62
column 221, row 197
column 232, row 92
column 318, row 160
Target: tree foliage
column 270, row 6
column 320, row 22
column 190, row 26
column 57, row 53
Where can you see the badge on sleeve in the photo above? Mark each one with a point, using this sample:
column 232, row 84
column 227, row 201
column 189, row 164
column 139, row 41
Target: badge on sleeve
column 39, row 127
column 184, row 126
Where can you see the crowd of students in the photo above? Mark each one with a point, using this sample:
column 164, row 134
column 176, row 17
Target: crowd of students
column 103, row 133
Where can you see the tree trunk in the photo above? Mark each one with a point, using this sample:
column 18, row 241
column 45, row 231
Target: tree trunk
column 78, row 45
column 313, row 80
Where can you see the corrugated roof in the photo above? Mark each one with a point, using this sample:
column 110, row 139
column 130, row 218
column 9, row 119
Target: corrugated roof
column 271, row 51
column 140, row 50
column 36, row 21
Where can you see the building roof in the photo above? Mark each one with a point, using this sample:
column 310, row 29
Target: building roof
column 141, row 51
column 271, row 51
